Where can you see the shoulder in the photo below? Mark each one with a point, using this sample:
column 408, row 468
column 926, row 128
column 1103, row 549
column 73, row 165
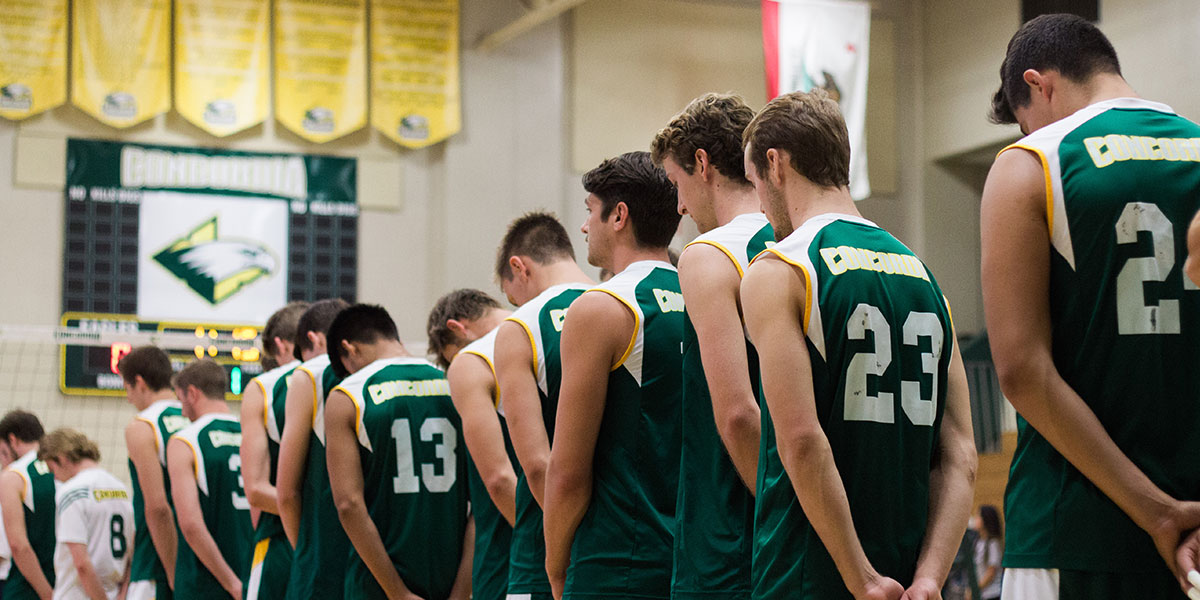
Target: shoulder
column 469, row 368
column 705, row 266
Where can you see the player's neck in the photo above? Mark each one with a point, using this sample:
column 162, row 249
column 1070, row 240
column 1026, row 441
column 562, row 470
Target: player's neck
column 813, row 200
column 211, row 406
column 388, row 349
column 1100, row 88
column 307, row 355
column 80, row 467
column 155, row 397
column 22, row 448
column 559, row 273
column 493, row 319
column 625, row 255
column 731, row 201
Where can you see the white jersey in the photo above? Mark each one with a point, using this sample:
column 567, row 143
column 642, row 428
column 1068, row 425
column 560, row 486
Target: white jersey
column 316, row 367
column 485, row 348
column 94, row 509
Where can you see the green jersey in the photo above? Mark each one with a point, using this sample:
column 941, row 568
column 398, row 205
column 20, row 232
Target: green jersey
column 322, row 548
column 165, row 418
column 623, row 545
column 215, row 440
column 542, row 320
column 412, row 455
column 879, row 339
column 1122, row 184
column 715, row 512
column 493, row 534
column 38, row 498
column 274, row 385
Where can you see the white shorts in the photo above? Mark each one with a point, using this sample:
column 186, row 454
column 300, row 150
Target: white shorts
column 145, row 589
column 1030, row 584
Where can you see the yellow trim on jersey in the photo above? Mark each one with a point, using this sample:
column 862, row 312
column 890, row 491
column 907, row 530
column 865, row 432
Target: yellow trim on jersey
column 736, row 264
column 195, row 457
column 358, row 409
column 495, row 380
column 263, row 389
column 24, row 478
column 1049, row 183
column 807, row 284
column 313, row 378
column 637, row 322
column 260, row 552
column 153, row 428
column 532, row 343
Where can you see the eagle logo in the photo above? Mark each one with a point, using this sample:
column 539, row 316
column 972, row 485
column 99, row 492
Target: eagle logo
column 215, row 269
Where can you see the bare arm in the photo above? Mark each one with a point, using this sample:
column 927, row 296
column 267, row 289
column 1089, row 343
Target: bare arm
column 594, row 337
column 160, row 518
column 293, row 450
column 181, row 465
column 771, row 289
column 951, row 487
column 472, row 386
column 12, row 487
column 346, row 480
column 1017, row 306
column 1191, row 267
column 256, row 458
column 523, row 405
column 87, row 573
column 710, row 283
column 462, row 580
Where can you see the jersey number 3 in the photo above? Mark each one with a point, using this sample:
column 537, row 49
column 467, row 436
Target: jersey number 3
column 859, row 405
column 406, row 480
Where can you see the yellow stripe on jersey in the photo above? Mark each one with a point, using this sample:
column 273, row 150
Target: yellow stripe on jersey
column 637, row 323
column 195, row 457
column 808, row 288
column 736, row 264
column 1049, row 184
column 263, row 388
column 313, row 378
column 358, row 409
column 532, row 343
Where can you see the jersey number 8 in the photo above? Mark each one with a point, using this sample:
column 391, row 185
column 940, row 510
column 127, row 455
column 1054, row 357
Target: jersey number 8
column 859, row 405
column 406, row 480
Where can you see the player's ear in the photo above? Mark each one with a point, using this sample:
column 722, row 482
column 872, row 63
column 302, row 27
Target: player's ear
column 775, row 164
column 703, row 167
column 1039, row 83
column 516, row 265
column 458, row 327
column 620, row 216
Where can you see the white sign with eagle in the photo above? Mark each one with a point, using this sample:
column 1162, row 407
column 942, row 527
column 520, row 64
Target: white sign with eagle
column 212, row 258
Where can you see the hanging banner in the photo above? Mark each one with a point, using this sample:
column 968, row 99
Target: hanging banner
column 33, row 42
column 321, row 67
column 414, row 70
column 120, row 71
column 823, row 44
column 221, row 56
column 194, row 234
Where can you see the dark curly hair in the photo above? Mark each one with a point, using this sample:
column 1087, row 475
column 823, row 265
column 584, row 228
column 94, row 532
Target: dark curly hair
column 633, row 179
column 713, row 123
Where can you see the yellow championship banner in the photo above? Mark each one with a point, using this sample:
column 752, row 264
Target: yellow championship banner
column 414, row 70
column 120, row 71
column 221, row 61
column 33, row 42
column 321, row 67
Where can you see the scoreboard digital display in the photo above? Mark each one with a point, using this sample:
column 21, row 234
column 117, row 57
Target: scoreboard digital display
column 91, row 370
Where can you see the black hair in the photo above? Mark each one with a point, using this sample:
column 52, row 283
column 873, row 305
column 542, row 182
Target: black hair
column 538, row 235
column 633, row 179
column 362, row 323
column 316, row 319
column 23, row 424
column 151, row 363
column 1071, row 45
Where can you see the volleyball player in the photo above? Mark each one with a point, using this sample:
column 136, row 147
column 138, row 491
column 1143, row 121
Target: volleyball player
column 701, row 152
column 262, row 411
column 1091, row 320
column 302, row 482
column 146, row 372
column 396, row 464
column 536, row 267
column 612, row 480
column 206, row 485
column 462, row 337
column 867, row 466
column 27, row 503
column 94, row 528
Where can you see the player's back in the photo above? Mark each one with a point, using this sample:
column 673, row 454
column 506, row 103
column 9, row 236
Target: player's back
column 414, row 465
column 1123, row 184
column 164, row 417
column 274, row 385
column 715, row 512
column 542, row 319
column 879, row 337
column 37, row 496
column 624, row 544
column 318, row 564
column 215, row 440
column 94, row 509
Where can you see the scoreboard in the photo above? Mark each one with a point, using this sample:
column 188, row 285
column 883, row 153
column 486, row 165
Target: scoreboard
column 87, row 369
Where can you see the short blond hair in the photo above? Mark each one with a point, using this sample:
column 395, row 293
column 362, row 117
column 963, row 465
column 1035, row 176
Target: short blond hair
column 68, row 444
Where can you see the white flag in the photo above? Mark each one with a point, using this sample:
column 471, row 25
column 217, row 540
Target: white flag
column 823, row 44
